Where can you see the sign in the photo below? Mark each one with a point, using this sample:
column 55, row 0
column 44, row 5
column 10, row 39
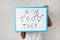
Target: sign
column 31, row 19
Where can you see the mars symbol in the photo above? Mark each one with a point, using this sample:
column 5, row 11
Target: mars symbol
column 31, row 19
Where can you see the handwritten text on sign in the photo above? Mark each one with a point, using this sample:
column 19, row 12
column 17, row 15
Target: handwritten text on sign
column 30, row 19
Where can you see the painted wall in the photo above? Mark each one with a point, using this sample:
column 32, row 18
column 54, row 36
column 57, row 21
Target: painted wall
column 7, row 13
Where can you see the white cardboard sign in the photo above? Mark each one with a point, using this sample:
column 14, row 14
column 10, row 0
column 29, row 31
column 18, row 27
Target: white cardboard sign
column 28, row 19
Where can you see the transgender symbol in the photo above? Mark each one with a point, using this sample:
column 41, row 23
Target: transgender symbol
column 36, row 17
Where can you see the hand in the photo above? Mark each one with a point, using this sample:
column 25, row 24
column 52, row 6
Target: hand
column 23, row 34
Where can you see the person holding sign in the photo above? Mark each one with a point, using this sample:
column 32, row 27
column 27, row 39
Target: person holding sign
column 35, row 35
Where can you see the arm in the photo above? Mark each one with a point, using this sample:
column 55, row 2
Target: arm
column 49, row 22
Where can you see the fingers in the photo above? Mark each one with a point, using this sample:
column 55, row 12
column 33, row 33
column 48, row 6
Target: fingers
column 49, row 20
